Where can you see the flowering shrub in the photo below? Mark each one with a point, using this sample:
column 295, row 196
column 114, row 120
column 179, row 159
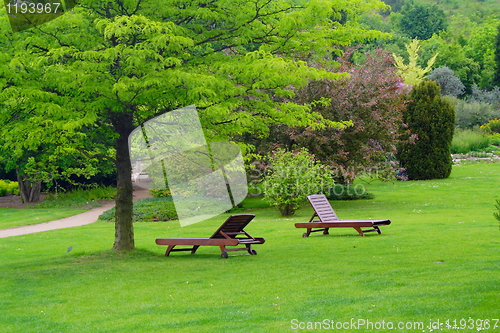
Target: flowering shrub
column 493, row 126
column 372, row 97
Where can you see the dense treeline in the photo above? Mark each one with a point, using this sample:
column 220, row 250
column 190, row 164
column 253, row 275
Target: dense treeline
column 327, row 75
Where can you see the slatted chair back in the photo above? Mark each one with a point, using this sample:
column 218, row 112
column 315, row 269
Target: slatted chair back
column 322, row 207
column 234, row 225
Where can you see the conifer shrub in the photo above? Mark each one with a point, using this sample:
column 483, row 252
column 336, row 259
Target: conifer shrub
column 431, row 118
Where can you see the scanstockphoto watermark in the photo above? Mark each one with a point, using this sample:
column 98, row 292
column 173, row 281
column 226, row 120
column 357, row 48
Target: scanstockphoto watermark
column 375, row 325
column 355, row 324
column 307, row 188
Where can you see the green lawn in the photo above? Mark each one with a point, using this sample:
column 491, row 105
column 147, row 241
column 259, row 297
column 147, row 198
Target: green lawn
column 438, row 260
column 10, row 218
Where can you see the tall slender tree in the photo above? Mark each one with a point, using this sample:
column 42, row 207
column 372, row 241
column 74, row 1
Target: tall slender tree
column 432, row 119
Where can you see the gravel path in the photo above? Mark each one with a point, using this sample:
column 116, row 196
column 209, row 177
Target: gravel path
column 73, row 221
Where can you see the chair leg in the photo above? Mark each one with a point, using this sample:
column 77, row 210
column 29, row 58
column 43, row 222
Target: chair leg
column 193, row 250
column 360, row 232
column 378, row 229
column 169, row 249
column 325, row 232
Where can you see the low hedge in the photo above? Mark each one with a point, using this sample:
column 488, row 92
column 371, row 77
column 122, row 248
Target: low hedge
column 148, row 210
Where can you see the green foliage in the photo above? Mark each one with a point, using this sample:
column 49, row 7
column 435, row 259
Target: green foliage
column 8, row 187
column 148, row 210
column 292, row 177
column 432, row 119
column 470, row 114
column 493, row 126
column 450, row 83
column 497, row 206
column 77, row 198
column 160, row 193
column 467, row 140
column 372, row 99
column 467, row 48
column 412, row 73
column 421, row 21
column 496, row 77
column 490, row 96
column 108, row 66
column 396, row 5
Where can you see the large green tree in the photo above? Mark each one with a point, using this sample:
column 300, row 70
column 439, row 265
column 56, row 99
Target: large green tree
column 496, row 77
column 432, row 119
column 121, row 63
column 421, row 20
column 467, row 48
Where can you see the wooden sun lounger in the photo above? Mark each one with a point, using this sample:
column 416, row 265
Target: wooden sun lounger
column 226, row 235
column 328, row 219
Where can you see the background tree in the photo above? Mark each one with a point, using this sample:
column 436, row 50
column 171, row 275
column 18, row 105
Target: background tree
column 42, row 137
column 412, row 72
column 467, row 48
column 496, row 78
column 122, row 63
column 371, row 100
column 421, row 20
column 432, row 119
column 396, row 5
column 449, row 83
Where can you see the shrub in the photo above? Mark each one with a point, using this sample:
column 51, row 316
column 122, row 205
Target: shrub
column 450, row 83
column 472, row 113
column 148, row 210
column 432, row 119
column 7, row 186
column 487, row 96
column 372, row 98
column 494, row 139
column 493, row 126
column 78, row 198
column 466, row 140
column 160, row 193
column 294, row 176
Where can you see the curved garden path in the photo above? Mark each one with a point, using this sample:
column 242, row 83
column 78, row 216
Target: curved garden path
column 88, row 217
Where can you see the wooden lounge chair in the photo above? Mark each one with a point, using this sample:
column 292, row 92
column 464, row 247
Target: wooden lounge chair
column 224, row 236
column 328, row 219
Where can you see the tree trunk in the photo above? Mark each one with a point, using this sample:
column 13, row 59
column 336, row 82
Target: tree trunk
column 28, row 190
column 287, row 210
column 124, row 228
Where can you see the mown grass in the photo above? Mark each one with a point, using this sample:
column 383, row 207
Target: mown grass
column 10, row 218
column 437, row 260
column 56, row 206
